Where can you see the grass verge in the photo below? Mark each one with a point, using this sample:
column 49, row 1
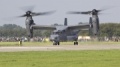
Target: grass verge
column 103, row 58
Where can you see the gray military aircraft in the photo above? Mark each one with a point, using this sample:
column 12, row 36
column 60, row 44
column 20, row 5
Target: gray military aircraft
column 60, row 32
column 94, row 20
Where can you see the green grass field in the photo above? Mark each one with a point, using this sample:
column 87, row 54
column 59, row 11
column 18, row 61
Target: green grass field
column 50, row 43
column 103, row 58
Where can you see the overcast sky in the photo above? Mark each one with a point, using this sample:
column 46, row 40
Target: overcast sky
column 11, row 8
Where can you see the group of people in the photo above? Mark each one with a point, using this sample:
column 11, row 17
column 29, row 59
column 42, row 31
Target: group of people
column 23, row 39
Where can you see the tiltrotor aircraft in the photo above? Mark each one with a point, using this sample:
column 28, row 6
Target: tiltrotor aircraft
column 60, row 32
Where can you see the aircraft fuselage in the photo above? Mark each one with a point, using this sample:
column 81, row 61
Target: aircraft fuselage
column 64, row 34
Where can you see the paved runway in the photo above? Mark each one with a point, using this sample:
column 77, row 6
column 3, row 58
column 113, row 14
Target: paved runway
column 58, row 48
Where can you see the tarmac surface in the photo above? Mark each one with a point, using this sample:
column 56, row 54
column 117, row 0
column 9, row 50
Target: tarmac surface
column 59, row 48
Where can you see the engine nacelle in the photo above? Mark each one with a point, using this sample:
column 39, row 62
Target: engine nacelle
column 29, row 28
column 94, row 26
column 91, row 26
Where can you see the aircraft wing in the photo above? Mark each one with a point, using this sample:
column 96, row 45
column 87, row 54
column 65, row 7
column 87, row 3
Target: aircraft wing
column 79, row 26
column 43, row 27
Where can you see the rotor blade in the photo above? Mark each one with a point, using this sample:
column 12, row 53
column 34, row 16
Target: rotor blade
column 105, row 8
column 87, row 12
column 101, row 9
column 104, row 13
column 21, row 16
column 13, row 18
column 42, row 13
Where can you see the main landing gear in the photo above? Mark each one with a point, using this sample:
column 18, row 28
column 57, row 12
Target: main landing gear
column 75, row 43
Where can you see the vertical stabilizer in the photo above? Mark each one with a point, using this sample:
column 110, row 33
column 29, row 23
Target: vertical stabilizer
column 65, row 22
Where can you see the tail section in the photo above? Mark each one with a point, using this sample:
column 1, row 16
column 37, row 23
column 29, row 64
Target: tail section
column 65, row 22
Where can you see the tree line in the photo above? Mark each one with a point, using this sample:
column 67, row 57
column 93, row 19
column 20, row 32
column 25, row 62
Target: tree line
column 13, row 30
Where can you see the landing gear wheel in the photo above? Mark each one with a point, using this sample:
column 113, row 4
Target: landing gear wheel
column 75, row 43
column 58, row 43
